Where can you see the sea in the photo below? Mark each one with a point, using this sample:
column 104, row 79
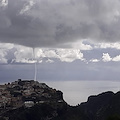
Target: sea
column 76, row 92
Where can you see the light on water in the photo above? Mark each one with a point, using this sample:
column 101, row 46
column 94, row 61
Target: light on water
column 75, row 92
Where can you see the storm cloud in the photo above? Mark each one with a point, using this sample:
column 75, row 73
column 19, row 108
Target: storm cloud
column 57, row 23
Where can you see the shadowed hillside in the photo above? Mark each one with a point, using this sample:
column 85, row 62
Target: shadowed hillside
column 31, row 100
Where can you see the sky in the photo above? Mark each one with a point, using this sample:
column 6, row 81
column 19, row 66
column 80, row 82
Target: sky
column 67, row 40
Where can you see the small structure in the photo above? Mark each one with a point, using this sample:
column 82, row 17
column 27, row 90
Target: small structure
column 28, row 104
column 60, row 101
column 41, row 102
column 2, row 87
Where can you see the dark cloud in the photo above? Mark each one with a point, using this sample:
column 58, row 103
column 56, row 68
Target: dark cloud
column 50, row 23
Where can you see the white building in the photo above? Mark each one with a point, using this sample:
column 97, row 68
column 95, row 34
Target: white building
column 29, row 103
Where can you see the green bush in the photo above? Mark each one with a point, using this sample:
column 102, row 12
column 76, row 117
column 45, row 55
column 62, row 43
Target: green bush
column 114, row 117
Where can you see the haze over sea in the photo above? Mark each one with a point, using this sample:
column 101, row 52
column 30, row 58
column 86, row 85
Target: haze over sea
column 75, row 92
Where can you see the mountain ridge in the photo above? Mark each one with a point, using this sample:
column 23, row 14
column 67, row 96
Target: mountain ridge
column 31, row 100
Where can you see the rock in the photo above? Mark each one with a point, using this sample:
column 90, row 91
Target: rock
column 31, row 100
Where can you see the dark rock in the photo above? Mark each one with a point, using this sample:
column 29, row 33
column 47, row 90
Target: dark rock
column 50, row 105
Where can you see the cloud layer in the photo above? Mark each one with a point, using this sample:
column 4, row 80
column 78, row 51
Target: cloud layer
column 12, row 54
column 54, row 23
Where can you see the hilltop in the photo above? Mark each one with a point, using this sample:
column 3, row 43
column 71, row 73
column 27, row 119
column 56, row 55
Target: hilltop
column 31, row 100
column 23, row 94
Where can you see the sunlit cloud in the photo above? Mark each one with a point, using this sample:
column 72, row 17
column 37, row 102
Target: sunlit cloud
column 106, row 57
column 116, row 59
column 94, row 60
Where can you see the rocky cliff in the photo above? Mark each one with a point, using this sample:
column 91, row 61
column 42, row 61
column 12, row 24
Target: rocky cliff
column 31, row 100
column 102, row 107
column 105, row 106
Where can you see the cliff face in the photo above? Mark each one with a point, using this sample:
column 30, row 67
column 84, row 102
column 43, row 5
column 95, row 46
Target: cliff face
column 105, row 106
column 30, row 100
column 102, row 107
column 23, row 93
